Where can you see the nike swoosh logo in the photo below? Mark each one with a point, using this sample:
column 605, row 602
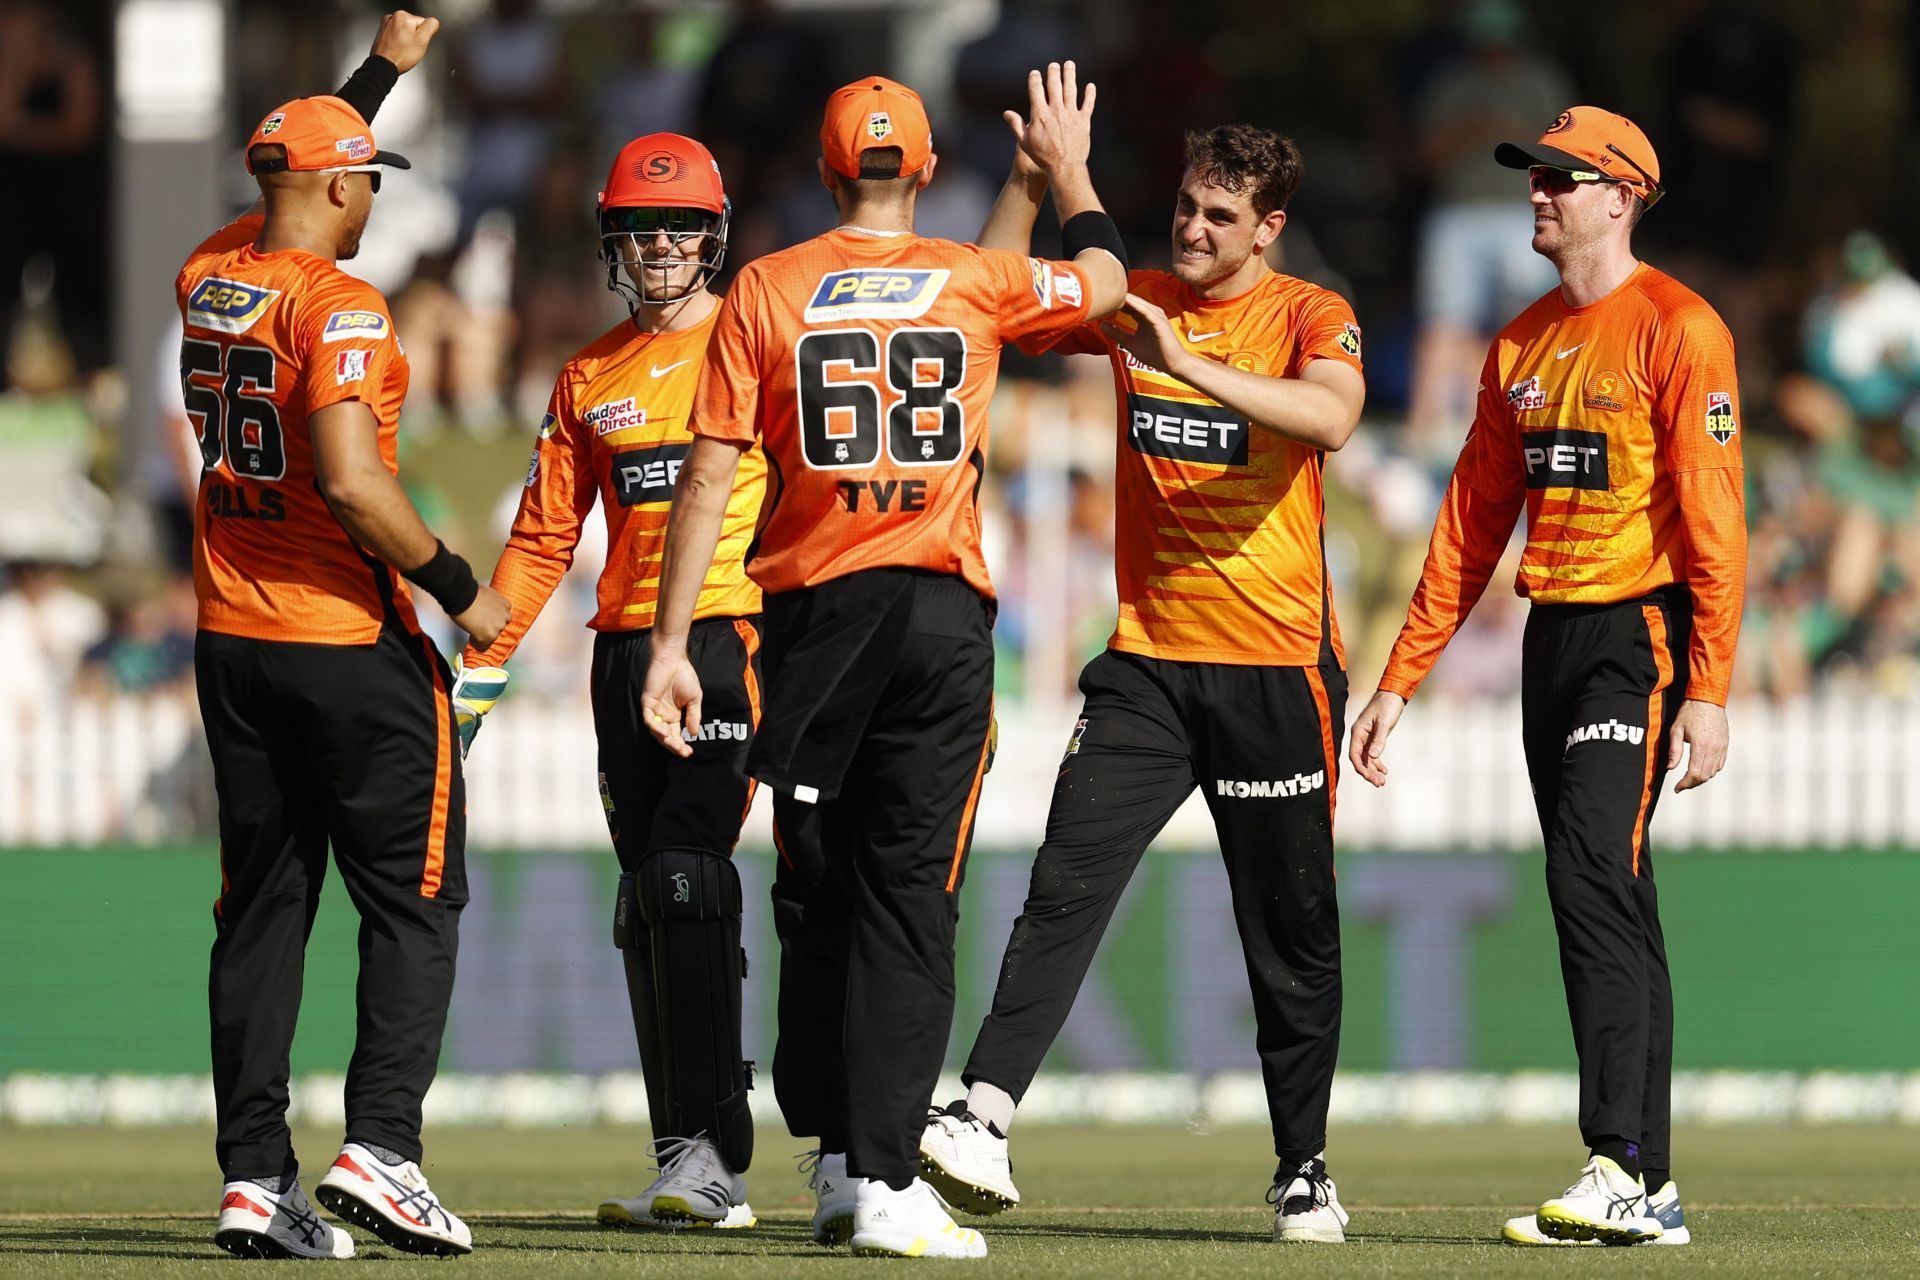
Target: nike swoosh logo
column 1202, row 337
column 658, row 372
column 1562, row 355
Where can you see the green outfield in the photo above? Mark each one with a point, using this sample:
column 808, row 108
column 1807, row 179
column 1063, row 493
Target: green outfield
column 1100, row 1202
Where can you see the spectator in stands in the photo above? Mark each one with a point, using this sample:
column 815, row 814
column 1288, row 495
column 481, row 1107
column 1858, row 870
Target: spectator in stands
column 46, row 628
column 1475, row 264
column 508, row 78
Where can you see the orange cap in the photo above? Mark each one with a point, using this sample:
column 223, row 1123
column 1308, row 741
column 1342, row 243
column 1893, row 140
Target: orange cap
column 664, row 170
column 874, row 111
column 1592, row 138
column 319, row 133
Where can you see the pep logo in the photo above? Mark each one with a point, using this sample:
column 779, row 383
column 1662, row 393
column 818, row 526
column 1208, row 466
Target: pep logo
column 875, row 293
column 228, row 306
column 342, row 325
column 1565, row 459
column 644, row 477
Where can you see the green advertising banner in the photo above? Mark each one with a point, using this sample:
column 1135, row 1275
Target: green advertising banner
column 1782, row 962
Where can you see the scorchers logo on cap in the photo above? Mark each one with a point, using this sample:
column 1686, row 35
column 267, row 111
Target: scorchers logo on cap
column 879, row 124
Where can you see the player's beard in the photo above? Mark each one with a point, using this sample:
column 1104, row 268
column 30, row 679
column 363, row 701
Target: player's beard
column 350, row 237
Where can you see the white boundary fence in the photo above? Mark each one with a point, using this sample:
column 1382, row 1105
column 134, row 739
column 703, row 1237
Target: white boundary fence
column 1827, row 772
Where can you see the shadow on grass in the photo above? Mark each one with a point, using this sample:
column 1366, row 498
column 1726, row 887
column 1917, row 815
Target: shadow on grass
column 128, row 1242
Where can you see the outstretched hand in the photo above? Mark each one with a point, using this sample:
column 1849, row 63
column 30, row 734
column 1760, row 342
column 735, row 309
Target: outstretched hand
column 1057, row 132
column 403, row 38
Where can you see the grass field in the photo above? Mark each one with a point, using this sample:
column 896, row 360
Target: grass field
column 1099, row 1202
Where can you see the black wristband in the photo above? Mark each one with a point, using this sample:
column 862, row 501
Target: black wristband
column 448, row 579
column 369, row 86
column 1092, row 230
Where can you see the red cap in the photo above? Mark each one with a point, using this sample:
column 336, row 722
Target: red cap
column 664, row 170
column 1591, row 138
column 319, row 134
column 875, row 112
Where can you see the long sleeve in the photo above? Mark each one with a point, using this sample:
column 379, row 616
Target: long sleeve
column 1483, row 499
column 559, row 496
column 1700, row 414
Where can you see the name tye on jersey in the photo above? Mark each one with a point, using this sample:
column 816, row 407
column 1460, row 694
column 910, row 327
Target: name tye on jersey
column 228, row 306
column 614, row 415
column 342, row 325
column 875, row 293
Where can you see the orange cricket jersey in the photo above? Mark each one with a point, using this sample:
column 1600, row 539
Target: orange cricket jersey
column 865, row 364
column 1616, row 425
column 270, row 338
column 1218, row 548
column 616, row 430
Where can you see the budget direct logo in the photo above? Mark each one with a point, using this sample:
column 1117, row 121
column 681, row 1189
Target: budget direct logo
column 228, row 306
column 1526, row 395
column 614, row 415
column 875, row 293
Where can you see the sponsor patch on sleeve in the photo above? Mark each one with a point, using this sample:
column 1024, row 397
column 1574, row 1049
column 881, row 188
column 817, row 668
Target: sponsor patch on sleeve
column 1066, row 287
column 548, row 425
column 1042, row 272
column 342, row 325
column 1720, row 423
column 350, row 366
column 1350, row 339
column 227, row 306
column 533, row 466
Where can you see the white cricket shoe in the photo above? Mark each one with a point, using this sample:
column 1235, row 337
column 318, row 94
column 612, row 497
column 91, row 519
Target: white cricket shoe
column 695, row 1186
column 1604, row 1204
column 638, row 1212
column 966, row 1161
column 833, row 1193
column 258, row 1223
column 908, row 1224
column 393, row 1201
column 1306, row 1206
column 1665, row 1205
column 1526, row 1230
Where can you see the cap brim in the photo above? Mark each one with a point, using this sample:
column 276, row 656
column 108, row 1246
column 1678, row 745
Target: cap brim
column 1516, row 155
column 391, row 159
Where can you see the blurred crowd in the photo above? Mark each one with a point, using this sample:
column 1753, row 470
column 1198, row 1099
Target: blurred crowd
column 1785, row 131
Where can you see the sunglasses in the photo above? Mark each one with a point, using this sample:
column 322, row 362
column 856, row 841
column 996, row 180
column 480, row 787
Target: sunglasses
column 678, row 225
column 1558, row 182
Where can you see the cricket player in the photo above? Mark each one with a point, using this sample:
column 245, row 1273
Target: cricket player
column 863, row 361
column 615, row 432
column 1226, row 670
column 327, row 709
column 1610, row 411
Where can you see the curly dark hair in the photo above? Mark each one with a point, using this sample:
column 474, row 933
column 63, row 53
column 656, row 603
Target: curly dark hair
column 1243, row 158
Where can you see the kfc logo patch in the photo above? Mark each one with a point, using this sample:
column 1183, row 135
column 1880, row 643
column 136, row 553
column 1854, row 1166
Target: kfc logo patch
column 350, row 366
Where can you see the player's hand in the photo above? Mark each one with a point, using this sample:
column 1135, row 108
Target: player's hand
column 1367, row 744
column 485, row 618
column 1702, row 727
column 1058, row 130
column 1143, row 331
column 403, row 38
column 475, row 691
column 670, row 701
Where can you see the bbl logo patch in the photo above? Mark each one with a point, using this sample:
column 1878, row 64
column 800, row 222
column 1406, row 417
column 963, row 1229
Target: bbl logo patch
column 271, row 125
column 875, row 293
column 879, row 124
column 1609, row 390
column 1720, row 423
column 1073, row 743
column 228, row 306
column 1350, row 339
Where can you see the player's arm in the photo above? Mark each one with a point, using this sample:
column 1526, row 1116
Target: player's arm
column 699, row 509
column 1058, row 136
column 1017, row 207
column 1320, row 408
column 398, row 47
column 1483, row 499
column 375, row 511
column 1709, row 479
column 559, row 496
